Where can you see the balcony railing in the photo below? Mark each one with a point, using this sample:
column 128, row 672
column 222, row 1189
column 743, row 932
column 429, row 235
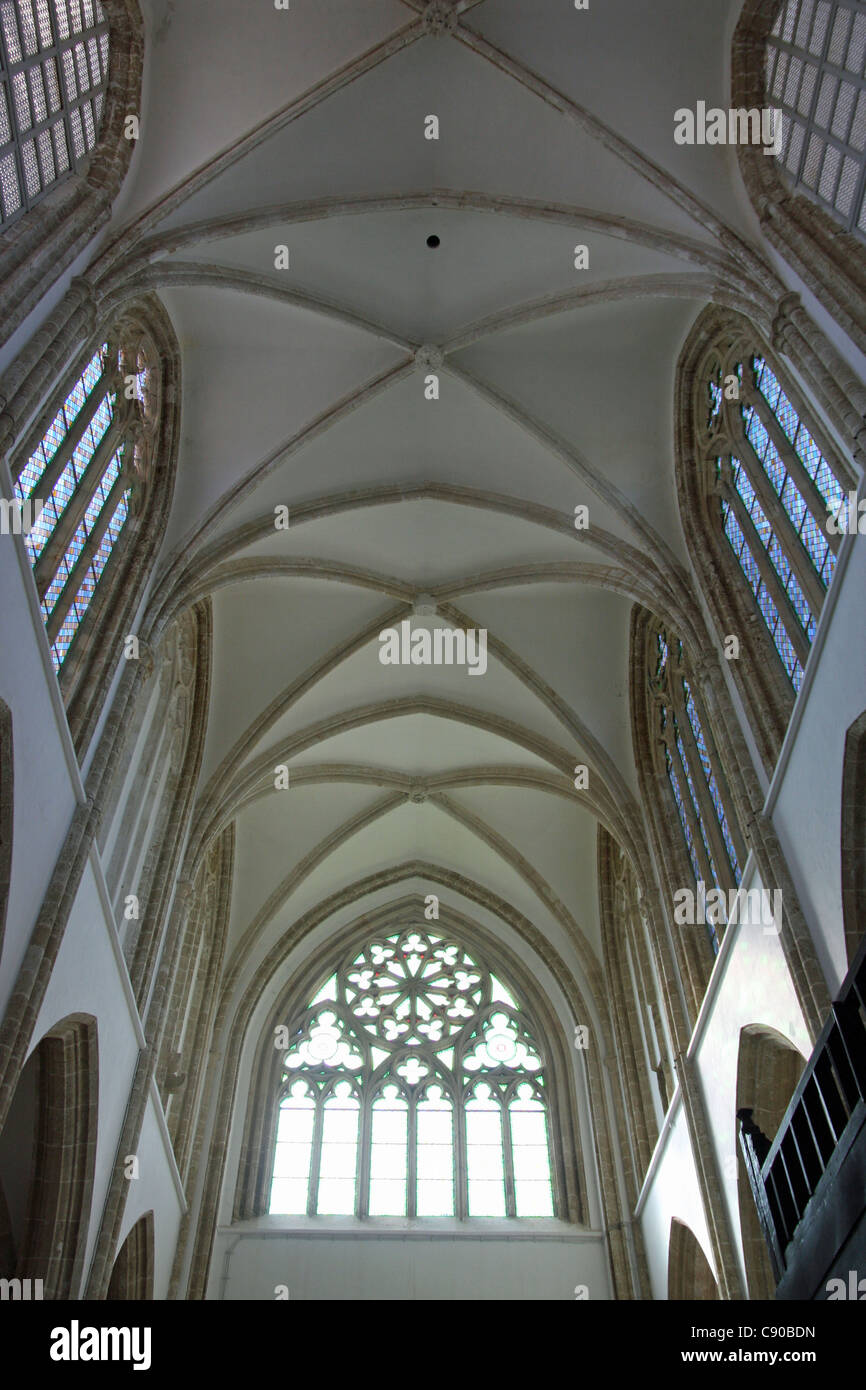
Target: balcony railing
column 826, row 1109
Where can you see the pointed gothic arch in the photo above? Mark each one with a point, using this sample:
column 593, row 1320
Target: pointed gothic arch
column 132, row 1275
column 760, row 487
column 7, row 809
column 854, row 836
column 769, row 1067
column 689, row 1274
column 48, row 1153
column 99, row 454
column 807, row 61
column 64, row 172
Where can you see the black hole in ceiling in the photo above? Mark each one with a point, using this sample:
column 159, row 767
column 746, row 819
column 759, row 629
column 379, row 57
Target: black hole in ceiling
column 432, row 241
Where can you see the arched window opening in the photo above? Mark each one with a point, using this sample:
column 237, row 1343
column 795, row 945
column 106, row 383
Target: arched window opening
column 132, row 1275
column 47, row 1158
column 53, row 80
column 689, row 1274
column 7, row 781
column 815, row 60
column 412, row 1086
column 638, row 1014
column 771, row 490
column 768, row 1070
column 89, row 470
column 703, row 801
column 853, row 837
column 763, row 492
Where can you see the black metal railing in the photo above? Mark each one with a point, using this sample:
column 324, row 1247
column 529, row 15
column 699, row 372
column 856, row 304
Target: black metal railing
column 785, row 1174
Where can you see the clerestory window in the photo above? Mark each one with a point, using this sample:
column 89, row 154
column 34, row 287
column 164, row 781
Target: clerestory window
column 412, row 1086
column 774, row 494
column 815, row 61
column 53, row 80
column 703, row 801
column 81, row 479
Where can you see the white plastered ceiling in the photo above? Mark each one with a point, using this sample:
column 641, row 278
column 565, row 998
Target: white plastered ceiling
column 301, row 388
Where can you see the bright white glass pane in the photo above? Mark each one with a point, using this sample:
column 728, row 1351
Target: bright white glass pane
column 528, row 1127
column 531, row 1161
column 486, row 1198
column 336, row 1196
column 533, row 1198
column 435, row 1198
column 295, row 1124
column 288, row 1197
column 292, row 1161
column 340, row 1123
column 434, row 1126
column 388, row 1161
column 483, row 1127
column 389, row 1126
column 339, row 1161
column 435, row 1161
column 387, row 1198
column 484, row 1161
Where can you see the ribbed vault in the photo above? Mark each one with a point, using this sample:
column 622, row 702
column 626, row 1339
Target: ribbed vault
column 305, row 387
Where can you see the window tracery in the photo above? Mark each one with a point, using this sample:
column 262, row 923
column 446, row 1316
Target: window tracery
column 53, row 78
column 412, row 1086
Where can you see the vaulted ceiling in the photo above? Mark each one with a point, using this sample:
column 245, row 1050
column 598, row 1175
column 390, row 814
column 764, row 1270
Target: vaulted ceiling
column 305, row 387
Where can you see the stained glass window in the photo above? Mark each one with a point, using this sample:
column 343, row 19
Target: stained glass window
column 53, row 78
column 815, row 60
column 412, row 1086
column 774, row 491
column 78, row 479
column 703, row 803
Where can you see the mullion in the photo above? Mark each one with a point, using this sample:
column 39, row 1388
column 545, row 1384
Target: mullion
column 316, row 1155
column 795, row 547
column 799, row 639
column 460, row 1152
column 508, row 1160
column 794, row 465
column 724, row 790
column 412, row 1156
column 819, row 59
column 62, row 115
column 691, row 813
column 68, row 523
column 13, row 110
column 73, row 436
column 702, row 790
column 824, row 65
column 365, row 1140
column 65, row 598
column 782, row 525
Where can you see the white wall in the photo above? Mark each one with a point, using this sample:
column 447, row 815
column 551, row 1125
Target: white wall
column 156, row 1189
column 806, row 794
column 393, row 1267
column 45, row 782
